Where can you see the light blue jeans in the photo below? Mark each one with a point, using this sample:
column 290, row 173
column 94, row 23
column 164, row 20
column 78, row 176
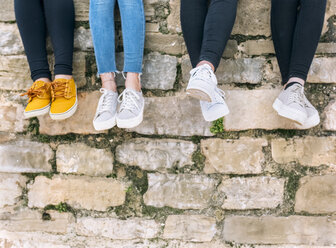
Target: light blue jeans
column 133, row 31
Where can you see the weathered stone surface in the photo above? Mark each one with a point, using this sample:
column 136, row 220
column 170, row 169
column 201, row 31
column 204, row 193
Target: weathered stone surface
column 82, row 159
column 31, row 221
column 7, row 10
column 160, row 155
column 159, row 71
column 252, row 109
column 173, row 116
column 243, row 156
column 316, row 194
column 83, row 39
column 197, row 228
column 326, row 48
column 182, row 244
column 14, row 73
column 166, row 43
column 323, row 70
column 179, row 191
column 118, row 229
column 78, row 191
column 330, row 116
column 308, row 151
column 252, row 192
column 173, row 20
column 25, row 156
column 82, row 10
column 256, row 22
column 80, row 122
column 11, row 186
column 257, row 47
column 10, row 41
column 11, row 115
column 280, row 230
column 242, row 70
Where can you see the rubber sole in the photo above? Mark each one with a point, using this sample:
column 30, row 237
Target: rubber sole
column 105, row 125
column 289, row 113
column 38, row 112
column 66, row 114
column 312, row 121
column 219, row 112
column 130, row 123
column 199, row 94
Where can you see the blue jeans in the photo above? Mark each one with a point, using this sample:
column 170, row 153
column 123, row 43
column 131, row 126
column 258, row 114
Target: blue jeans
column 133, row 31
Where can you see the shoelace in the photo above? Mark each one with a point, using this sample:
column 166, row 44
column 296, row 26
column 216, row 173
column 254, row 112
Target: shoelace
column 107, row 100
column 201, row 73
column 128, row 99
column 35, row 91
column 297, row 96
column 59, row 89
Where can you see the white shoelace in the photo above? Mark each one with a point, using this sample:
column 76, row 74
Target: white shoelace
column 297, row 96
column 128, row 99
column 106, row 103
column 201, row 74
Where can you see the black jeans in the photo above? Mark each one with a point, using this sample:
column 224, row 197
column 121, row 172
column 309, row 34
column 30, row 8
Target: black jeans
column 207, row 28
column 296, row 31
column 34, row 18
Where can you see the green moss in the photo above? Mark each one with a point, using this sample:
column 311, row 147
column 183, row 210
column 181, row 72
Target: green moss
column 61, row 207
column 138, row 178
column 217, row 126
column 157, row 213
column 33, row 126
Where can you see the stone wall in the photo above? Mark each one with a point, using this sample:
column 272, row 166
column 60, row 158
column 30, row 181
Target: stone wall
column 252, row 180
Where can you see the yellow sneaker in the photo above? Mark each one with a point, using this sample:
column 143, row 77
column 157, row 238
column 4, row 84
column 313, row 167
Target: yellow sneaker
column 39, row 99
column 64, row 99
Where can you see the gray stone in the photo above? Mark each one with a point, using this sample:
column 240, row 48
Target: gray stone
column 118, row 229
column 11, row 187
column 160, row 154
column 280, row 230
column 82, row 159
column 196, row 228
column 10, row 41
column 179, row 191
column 7, row 11
column 330, row 116
column 243, row 156
column 173, row 116
column 322, row 70
column 78, row 191
column 308, row 151
column 25, row 156
column 316, row 195
column 166, row 43
column 83, row 39
column 252, row 193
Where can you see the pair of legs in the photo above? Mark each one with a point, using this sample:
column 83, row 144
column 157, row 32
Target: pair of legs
column 296, row 30
column 207, row 28
column 103, row 33
column 34, row 18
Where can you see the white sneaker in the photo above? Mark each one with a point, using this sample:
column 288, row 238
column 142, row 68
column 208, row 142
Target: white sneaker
column 202, row 83
column 105, row 117
column 313, row 115
column 216, row 109
column 131, row 109
column 291, row 104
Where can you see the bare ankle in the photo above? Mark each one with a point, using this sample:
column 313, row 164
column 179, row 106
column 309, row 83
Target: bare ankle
column 108, row 81
column 47, row 80
column 63, row 76
column 133, row 81
column 203, row 62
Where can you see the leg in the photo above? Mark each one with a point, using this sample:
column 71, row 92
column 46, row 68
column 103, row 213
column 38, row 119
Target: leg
column 60, row 22
column 133, row 29
column 217, row 30
column 306, row 37
column 283, row 21
column 102, row 29
column 193, row 14
column 31, row 23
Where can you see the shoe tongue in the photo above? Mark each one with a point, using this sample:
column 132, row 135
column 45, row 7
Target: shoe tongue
column 40, row 83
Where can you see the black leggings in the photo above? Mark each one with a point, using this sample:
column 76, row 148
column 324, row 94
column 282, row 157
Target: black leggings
column 296, row 31
column 34, row 18
column 207, row 28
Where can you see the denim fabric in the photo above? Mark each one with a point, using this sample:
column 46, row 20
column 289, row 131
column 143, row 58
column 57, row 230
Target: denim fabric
column 103, row 34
